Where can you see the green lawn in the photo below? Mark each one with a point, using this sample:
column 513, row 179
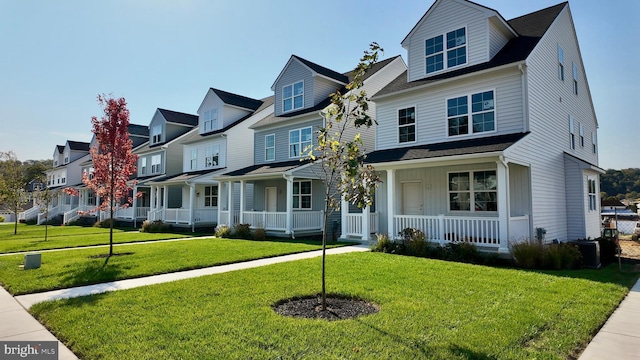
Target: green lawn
column 429, row 309
column 31, row 237
column 69, row 268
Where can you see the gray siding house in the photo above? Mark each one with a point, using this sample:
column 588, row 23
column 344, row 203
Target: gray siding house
column 490, row 137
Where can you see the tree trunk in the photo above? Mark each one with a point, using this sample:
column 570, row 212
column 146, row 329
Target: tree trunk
column 15, row 224
column 324, row 254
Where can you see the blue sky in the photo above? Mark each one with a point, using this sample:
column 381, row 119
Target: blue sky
column 58, row 55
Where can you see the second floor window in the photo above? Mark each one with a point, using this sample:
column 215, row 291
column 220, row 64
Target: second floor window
column 143, row 166
column 572, row 134
column 156, row 164
column 594, row 147
column 560, row 63
column 456, row 50
column 156, row 134
column 407, row 125
column 210, row 120
column 194, row 159
column 293, row 96
column 592, row 194
column 482, row 114
column 575, row 79
column 270, row 147
column 212, row 156
column 299, row 140
column 581, row 129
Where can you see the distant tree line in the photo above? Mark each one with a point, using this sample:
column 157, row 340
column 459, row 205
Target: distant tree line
column 620, row 184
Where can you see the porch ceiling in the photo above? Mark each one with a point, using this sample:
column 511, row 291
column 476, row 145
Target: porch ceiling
column 490, row 144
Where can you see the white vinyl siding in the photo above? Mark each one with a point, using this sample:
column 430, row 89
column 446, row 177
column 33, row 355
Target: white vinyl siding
column 497, row 39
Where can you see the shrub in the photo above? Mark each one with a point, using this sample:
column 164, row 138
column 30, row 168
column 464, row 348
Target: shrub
column 242, row 231
column 260, row 234
column 31, row 222
column 550, row 257
column 463, row 252
column 223, row 231
column 104, row 224
column 2, row 219
column 156, row 226
column 528, row 255
column 383, row 244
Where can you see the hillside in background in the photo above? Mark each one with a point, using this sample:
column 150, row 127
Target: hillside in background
column 622, row 184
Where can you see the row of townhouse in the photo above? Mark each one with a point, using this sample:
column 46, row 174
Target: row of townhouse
column 487, row 135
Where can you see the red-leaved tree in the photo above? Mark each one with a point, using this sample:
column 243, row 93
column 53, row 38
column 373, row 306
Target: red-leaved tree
column 113, row 159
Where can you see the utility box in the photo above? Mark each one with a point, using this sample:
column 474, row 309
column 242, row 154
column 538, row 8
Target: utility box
column 32, row 261
column 590, row 251
column 541, row 234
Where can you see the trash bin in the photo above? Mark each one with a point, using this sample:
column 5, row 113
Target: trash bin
column 32, row 261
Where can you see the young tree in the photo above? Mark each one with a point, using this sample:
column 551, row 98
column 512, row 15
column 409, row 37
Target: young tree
column 12, row 184
column 45, row 197
column 113, row 159
column 343, row 171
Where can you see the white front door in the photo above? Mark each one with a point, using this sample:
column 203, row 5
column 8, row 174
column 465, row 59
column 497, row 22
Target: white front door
column 271, row 199
column 412, row 198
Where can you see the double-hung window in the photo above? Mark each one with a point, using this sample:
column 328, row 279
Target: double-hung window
column 293, row 96
column 210, row 196
column 143, row 166
column 156, row 164
column 193, row 164
column 156, row 134
column 302, row 195
column 575, row 79
column 66, row 157
column 594, row 147
column 482, row 114
column 299, row 141
column 572, row 134
column 592, row 194
column 478, row 188
column 212, row 155
column 560, row 63
column 270, row 147
column 581, row 132
column 456, row 50
column 407, row 125
column 210, row 120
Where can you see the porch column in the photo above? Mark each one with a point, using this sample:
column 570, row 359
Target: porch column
column 230, row 201
column 366, row 228
column 242, row 202
column 391, row 186
column 134, row 205
column 344, row 210
column 289, row 221
column 192, row 200
column 503, row 204
column 221, row 201
column 152, row 198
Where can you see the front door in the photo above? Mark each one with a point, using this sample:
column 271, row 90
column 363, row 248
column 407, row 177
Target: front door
column 271, row 199
column 412, row 198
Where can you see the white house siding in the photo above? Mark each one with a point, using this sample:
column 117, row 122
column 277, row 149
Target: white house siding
column 282, row 137
column 293, row 73
column 519, row 190
column 240, row 148
column 576, row 185
column 448, row 16
column 497, row 38
column 551, row 101
column 431, row 108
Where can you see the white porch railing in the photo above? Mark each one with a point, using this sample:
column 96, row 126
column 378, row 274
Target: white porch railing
column 156, row 214
column 29, row 213
column 53, row 212
column 224, row 217
column 176, row 216
column 277, row 221
column 209, row 215
column 354, row 223
column 308, row 220
column 481, row 231
column 128, row 213
column 266, row 220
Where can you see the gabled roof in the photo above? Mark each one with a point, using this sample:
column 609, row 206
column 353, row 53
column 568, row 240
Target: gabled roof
column 612, row 202
column 78, row 145
column 237, row 100
column 179, row 117
column 60, row 149
column 450, row 148
column 315, row 69
column 138, row 130
column 530, row 27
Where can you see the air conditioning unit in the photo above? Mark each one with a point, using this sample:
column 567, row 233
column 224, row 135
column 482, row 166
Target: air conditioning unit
column 590, row 251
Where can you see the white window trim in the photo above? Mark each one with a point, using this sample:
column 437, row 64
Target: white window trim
column 270, row 147
column 300, row 195
column 300, row 142
column 293, row 96
column 156, row 168
column 212, row 153
column 193, row 161
column 156, row 130
column 143, row 165
column 592, row 198
column 572, row 135
column 470, row 114
column 415, row 124
column 471, row 191
column 594, row 144
column 581, row 133
column 445, row 63
column 210, row 124
column 574, row 71
column 212, row 195
column 560, row 63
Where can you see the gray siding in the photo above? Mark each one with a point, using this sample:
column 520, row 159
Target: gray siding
column 431, row 112
column 293, row 73
column 282, row 138
column 317, row 189
column 323, row 88
column 497, row 39
column 448, row 16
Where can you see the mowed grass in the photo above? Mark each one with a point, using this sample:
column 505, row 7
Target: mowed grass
column 429, row 309
column 69, row 268
column 31, row 237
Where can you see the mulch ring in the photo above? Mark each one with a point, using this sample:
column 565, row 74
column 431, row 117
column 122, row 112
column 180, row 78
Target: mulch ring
column 338, row 307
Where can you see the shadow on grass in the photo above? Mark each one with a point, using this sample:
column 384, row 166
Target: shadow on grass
column 627, row 276
column 92, row 272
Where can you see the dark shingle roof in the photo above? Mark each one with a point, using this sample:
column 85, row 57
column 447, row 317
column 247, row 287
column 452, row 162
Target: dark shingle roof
column 60, row 149
column 450, row 148
column 179, row 118
column 139, row 130
column 530, row 27
column 237, row 100
column 323, row 70
column 612, row 202
column 78, row 145
column 265, row 169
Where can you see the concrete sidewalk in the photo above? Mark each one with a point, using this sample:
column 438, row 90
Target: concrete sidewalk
column 619, row 338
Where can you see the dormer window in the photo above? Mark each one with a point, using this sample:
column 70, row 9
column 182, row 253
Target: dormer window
column 456, row 50
column 293, row 96
column 156, row 134
column 66, row 157
column 210, row 120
